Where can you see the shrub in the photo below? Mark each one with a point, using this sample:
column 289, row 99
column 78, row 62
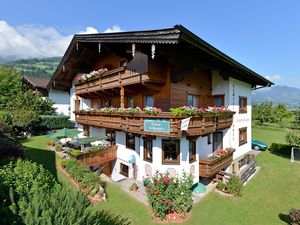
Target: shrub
column 75, row 152
column 23, row 119
column 293, row 138
column 133, row 186
column 53, row 122
column 295, row 216
column 30, row 195
column 5, row 117
column 58, row 148
column 234, row 186
column 221, row 186
column 168, row 194
column 81, row 174
column 281, row 149
column 9, row 149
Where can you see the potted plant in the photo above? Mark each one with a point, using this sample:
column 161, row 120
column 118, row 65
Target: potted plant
column 133, row 187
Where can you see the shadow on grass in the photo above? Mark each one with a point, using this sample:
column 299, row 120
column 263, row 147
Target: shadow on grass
column 108, row 218
column 281, row 155
column 285, row 218
column 44, row 157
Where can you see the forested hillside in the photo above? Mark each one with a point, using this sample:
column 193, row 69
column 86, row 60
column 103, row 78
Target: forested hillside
column 35, row 67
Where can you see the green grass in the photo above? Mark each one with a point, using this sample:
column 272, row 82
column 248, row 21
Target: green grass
column 269, row 135
column 267, row 197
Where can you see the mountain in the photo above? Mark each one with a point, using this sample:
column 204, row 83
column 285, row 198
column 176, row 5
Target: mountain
column 35, row 67
column 289, row 96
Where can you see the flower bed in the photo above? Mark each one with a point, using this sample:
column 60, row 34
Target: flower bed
column 75, row 152
column 89, row 182
column 168, row 195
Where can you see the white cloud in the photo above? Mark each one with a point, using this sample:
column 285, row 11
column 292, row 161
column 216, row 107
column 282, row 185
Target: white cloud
column 89, row 30
column 113, row 29
column 30, row 41
column 274, row 78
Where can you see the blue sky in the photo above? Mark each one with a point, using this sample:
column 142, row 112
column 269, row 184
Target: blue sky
column 263, row 35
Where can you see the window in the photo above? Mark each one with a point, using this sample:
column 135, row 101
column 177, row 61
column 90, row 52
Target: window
column 148, row 150
column 217, row 100
column 243, row 104
column 130, row 141
column 217, row 141
column 192, row 151
column 209, row 141
column 106, row 103
column 86, row 130
column 242, row 136
column 130, row 102
column 170, row 151
column 124, row 170
column 149, row 101
column 110, row 136
column 96, row 103
column 193, row 100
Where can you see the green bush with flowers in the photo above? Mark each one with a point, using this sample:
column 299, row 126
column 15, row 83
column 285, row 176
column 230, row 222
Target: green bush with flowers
column 168, row 194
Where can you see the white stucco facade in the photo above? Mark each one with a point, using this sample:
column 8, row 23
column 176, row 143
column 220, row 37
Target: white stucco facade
column 61, row 101
column 233, row 89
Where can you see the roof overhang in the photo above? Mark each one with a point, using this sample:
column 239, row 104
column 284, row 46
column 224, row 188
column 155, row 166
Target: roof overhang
column 178, row 36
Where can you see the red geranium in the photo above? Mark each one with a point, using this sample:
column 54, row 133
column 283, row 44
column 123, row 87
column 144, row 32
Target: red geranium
column 168, row 202
column 166, row 180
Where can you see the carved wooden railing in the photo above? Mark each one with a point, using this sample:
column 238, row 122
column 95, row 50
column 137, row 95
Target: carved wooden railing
column 98, row 158
column 199, row 125
column 110, row 79
column 209, row 167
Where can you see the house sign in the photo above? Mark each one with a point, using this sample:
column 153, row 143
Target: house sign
column 157, row 125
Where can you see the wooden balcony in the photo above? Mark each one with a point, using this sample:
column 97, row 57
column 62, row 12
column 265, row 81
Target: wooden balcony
column 162, row 124
column 98, row 158
column 209, row 167
column 111, row 79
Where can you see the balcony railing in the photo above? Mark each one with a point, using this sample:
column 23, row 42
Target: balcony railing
column 209, row 167
column 98, row 158
column 110, row 79
column 162, row 124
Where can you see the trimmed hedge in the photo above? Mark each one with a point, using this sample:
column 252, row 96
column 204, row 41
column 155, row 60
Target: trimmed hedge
column 281, row 149
column 53, row 122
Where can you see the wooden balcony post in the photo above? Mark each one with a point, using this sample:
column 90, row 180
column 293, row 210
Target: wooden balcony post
column 122, row 92
column 77, row 103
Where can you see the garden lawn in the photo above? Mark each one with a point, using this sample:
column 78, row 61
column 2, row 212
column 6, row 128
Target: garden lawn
column 267, row 197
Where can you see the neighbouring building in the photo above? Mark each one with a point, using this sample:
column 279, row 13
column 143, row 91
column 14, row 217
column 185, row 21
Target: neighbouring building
column 167, row 68
column 39, row 86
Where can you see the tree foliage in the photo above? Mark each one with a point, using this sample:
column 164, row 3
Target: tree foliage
column 293, row 138
column 263, row 113
column 281, row 113
column 10, row 86
column 30, row 195
column 20, row 108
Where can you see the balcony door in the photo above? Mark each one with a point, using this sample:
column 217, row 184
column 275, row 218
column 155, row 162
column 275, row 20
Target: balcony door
column 217, row 141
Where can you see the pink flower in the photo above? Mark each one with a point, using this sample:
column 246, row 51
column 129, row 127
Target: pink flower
column 160, row 200
column 168, row 202
column 166, row 180
column 155, row 191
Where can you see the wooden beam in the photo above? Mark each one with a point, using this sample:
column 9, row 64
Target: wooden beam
column 122, row 93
